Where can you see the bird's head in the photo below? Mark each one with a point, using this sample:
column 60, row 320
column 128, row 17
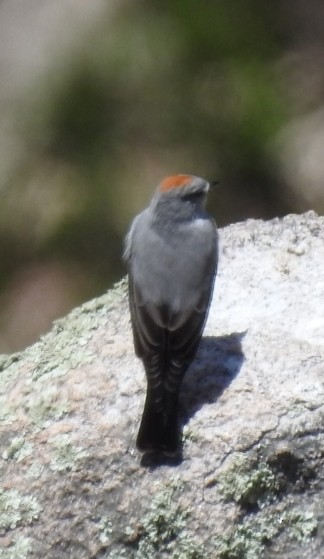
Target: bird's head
column 188, row 187
column 180, row 197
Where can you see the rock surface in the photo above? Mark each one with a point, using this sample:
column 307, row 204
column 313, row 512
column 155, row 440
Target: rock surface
column 251, row 480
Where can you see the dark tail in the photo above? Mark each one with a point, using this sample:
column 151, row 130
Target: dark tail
column 159, row 429
column 152, row 427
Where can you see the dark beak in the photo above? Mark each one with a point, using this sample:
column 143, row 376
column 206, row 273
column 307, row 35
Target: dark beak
column 212, row 184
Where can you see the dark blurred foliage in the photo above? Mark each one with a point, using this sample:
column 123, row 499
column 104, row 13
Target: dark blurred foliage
column 149, row 89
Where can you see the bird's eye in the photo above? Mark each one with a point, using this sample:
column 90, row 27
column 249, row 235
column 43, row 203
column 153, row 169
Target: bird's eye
column 194, row 196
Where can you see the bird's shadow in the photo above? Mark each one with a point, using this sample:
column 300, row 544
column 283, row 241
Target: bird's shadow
column 217, row 364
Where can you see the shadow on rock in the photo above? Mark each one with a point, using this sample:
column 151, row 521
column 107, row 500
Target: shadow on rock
column 217, row 363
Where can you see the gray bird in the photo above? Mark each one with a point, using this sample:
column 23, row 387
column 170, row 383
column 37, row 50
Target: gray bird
column 171, row 251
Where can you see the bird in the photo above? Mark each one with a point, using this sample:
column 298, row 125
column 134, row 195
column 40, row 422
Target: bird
column 171, row 251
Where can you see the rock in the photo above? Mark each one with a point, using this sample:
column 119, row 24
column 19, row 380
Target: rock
column 250, row 483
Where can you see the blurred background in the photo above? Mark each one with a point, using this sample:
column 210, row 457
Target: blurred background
column 100, row 100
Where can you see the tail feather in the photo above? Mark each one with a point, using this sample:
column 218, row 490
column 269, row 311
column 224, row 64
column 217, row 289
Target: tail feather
column 171, row 436
column 159, row 430
column 152, row 427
